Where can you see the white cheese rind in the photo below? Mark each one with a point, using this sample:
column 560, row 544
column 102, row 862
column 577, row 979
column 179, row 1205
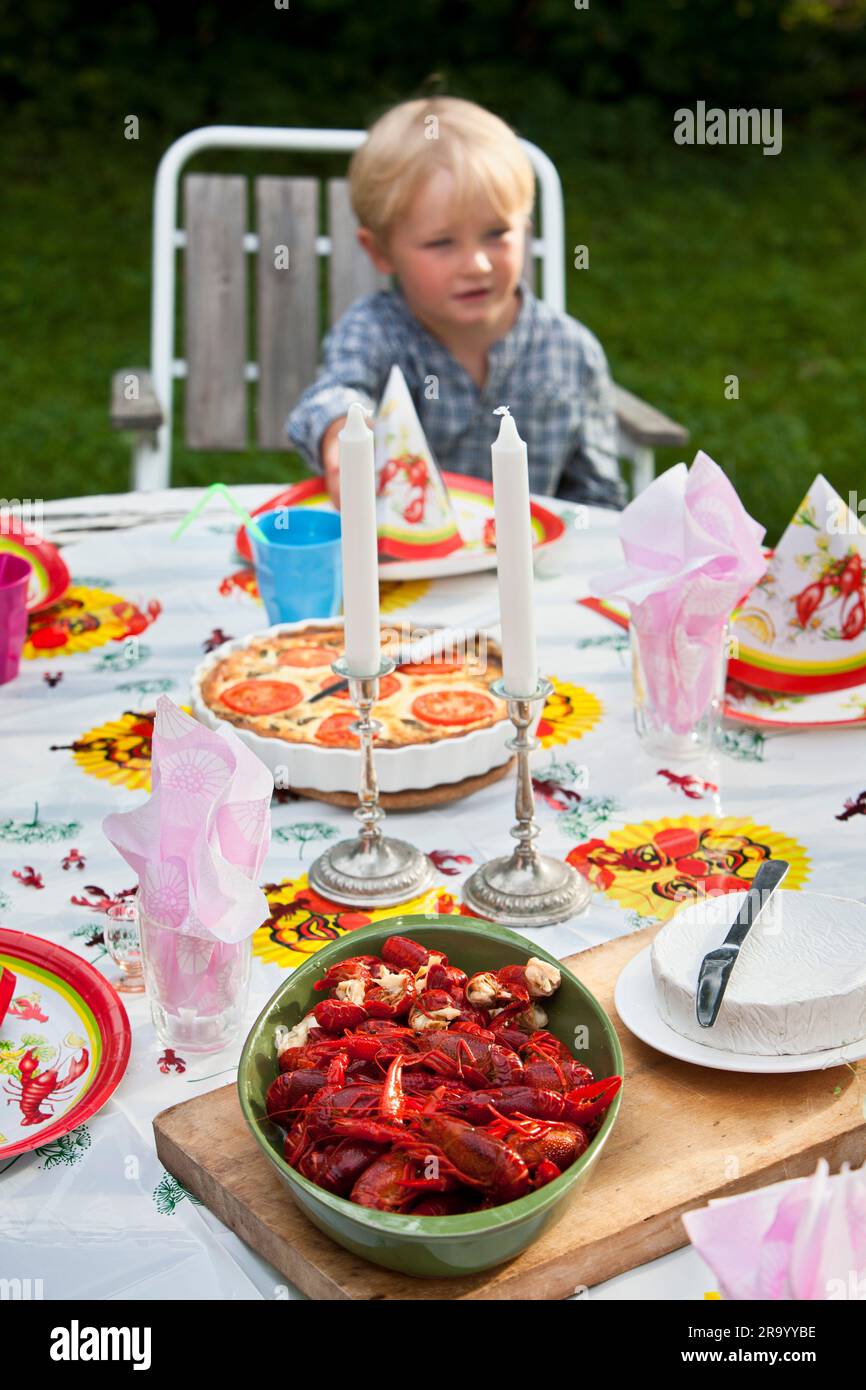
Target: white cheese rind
column 798, row 986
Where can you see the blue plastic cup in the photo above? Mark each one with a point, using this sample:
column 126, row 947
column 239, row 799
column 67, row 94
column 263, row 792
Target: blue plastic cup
column 299, row 565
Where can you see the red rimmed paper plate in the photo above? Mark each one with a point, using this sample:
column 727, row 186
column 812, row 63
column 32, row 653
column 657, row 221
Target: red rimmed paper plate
column 64, row 1043
column 49, row 577
column 472, row 499
column 771, row 709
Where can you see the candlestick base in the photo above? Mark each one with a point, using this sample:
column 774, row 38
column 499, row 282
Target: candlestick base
column 371, row 870
column 384, row 874
column 525, row 888
column 537, row 894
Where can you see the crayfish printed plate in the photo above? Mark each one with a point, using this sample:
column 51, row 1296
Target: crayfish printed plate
column 472, row 499
column 64, row 1043
column 773, row 709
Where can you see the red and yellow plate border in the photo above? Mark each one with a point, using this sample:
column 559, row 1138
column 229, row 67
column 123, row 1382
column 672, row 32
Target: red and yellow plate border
column 97, row 998
column 546, row 525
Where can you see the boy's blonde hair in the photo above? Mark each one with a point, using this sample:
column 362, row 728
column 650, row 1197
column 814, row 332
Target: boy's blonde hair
column 412, row 140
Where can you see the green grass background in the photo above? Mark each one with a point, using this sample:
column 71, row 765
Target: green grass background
column 704, row 263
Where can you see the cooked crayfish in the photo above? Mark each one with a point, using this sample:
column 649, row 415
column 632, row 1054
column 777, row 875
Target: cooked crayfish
column 414, row 1088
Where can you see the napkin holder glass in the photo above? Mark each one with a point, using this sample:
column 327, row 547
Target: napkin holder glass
column 657, row 731
column 197, row 986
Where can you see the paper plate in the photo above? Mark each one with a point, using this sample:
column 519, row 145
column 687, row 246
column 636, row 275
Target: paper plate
column 771, row 709
column 634, row 998
column 473, row 503
column 66, row 1010
column 50, row 577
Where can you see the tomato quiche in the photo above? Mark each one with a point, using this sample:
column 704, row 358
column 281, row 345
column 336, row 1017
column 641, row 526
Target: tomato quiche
column 263, row 686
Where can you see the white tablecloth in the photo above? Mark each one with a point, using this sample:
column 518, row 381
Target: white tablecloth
column 98, row 1216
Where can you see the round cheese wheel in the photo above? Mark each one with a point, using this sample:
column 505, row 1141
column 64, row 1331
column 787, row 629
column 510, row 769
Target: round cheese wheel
column 799, row 983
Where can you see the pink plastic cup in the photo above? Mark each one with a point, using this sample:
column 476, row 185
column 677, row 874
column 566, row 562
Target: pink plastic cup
column 15, row 575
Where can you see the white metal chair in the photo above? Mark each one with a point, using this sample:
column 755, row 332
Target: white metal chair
column 215, row 240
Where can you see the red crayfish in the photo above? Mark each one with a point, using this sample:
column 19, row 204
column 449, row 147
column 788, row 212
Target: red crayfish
column 415, row 1088
column 844, row 579
column 35, row 1087
column 417, row 475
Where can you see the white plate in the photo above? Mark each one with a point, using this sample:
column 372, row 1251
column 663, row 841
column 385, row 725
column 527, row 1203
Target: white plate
column 635, row 1003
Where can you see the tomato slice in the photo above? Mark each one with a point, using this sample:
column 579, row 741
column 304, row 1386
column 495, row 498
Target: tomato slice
column 334, row 731
column 436, row 667
column 307, row 656
column 452, row 707
column 261, row 697
column 388, row 685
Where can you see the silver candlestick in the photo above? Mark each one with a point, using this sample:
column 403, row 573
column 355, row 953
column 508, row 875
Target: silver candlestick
column 372, row 870
column 525, row 889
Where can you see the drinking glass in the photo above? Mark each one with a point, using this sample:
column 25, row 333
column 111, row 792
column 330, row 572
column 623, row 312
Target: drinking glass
column 677, row 712
column 299, row 565
column 124, row 947
column 197, row 985
column 15, row 574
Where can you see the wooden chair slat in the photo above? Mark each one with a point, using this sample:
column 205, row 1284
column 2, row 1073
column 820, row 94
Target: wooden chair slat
column 350, row 272
column 215, row 310
column 287, row 319
column 530, row 265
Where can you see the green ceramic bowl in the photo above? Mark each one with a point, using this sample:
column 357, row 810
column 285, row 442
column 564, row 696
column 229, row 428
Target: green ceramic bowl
column 429, row 1245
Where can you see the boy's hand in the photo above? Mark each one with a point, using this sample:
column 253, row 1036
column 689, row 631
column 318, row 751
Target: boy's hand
column 330, row 452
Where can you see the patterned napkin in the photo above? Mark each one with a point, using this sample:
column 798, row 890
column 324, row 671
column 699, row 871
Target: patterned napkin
column 803, row 626
column 415, row 517
column 691, row 551
column 199, row 841
column 804, row 1239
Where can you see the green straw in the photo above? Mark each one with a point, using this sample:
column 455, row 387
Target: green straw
column 223, row 491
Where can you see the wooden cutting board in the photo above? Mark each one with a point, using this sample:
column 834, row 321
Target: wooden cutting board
column 684, row 1134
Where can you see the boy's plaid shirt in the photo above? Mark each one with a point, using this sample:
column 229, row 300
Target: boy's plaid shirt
column 548, row 369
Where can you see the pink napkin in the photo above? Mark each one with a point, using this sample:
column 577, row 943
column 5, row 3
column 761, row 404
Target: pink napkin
column 803, row 1239
column 691, row 551
column 199, row 841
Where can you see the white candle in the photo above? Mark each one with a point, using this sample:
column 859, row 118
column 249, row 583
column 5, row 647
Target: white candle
column 360, row 544
column 514, row 559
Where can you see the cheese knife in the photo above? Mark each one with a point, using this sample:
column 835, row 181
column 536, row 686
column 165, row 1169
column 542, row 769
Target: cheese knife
column 717, row 965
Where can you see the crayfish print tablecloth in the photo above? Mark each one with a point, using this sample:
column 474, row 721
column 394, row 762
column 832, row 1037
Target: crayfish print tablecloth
column 95, row 1214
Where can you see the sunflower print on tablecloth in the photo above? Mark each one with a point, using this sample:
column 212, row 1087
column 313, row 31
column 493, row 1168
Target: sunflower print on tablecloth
column 85, row 618
column 302, row 921
column 118, row 751
column 569, row 713
column 395, row 594
column 655, row 867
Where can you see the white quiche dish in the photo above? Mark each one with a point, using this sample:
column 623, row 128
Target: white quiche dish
column 798, row 986
column 440, row 721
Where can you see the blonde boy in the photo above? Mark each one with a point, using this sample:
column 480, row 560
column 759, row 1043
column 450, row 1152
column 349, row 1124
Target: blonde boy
column 442, row 190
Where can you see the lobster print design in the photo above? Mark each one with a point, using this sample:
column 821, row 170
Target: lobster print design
column 37, row 1088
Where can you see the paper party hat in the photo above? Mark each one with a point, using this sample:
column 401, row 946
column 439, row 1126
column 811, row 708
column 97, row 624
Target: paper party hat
column 415, row 517
column 802, row 628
